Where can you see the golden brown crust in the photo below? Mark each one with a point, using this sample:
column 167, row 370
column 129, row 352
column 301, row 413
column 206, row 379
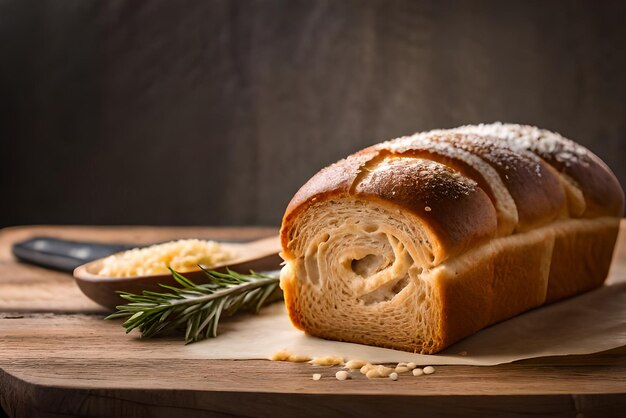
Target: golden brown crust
column 581, row 259
column 494, row 285
column 600, row 188
column 551, row 264
column 533, row 185
column 603, row 193
column 535, row 188
column 442, row 147
column 334, row 179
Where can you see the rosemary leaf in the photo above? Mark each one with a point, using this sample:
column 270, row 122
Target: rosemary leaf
column 196, row 307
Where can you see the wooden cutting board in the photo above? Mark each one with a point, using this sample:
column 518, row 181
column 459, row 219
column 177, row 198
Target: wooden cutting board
column 59, row 358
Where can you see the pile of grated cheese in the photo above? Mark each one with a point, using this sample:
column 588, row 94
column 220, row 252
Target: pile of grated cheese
column 182, row 255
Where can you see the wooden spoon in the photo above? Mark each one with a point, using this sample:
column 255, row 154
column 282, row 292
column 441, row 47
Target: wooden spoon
column 260, row 255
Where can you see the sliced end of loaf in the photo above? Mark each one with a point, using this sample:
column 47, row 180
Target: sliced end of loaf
column 358, row 273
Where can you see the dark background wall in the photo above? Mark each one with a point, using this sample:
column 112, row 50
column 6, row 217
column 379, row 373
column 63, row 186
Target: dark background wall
column 215, row 112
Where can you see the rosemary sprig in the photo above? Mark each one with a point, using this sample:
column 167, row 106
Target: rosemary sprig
column 198, row 307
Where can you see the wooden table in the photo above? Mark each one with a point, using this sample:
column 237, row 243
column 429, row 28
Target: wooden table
column 59, row 358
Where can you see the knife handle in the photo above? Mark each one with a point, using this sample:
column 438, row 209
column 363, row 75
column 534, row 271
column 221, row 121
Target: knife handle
column 60, row 254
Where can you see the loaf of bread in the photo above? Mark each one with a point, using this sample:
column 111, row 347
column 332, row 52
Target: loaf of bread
column 418, row 242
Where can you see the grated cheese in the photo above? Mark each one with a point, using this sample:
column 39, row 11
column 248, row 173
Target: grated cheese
column 182, row 255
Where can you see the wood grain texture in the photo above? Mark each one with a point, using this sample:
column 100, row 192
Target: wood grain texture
column 67, row 361
column 217, row 111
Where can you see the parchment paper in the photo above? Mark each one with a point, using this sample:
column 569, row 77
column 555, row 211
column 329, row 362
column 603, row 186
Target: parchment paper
column 592, row 322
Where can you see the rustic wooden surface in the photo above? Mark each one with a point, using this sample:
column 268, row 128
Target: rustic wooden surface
column 216, row 111
column 59, row 358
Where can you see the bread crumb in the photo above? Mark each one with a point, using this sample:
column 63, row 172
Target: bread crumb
column 366, row 368
column 356, row 364
column 384, row 371
column 327, row 361
column 296, row 358
column 284, row 355
column 280, row 356
column 342, row 375
column 429, row 370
